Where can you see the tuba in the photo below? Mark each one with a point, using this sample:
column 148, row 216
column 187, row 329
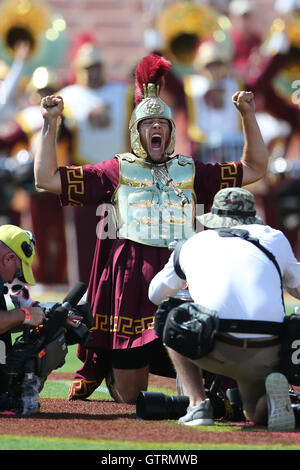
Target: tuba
column 283, row 38
column 183, row 25
column 38, row 24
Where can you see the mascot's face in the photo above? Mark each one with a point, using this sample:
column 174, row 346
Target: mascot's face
column 155, row 136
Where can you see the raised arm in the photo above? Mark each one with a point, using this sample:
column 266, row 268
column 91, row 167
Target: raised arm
column 45, row 161
column 255, row 154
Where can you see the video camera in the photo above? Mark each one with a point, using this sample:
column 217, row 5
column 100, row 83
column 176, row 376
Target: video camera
column 36, row 353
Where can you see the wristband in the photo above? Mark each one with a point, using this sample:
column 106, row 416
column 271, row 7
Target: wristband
column 27, row 315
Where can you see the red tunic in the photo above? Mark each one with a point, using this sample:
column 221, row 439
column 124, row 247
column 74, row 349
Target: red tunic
column 122, row 269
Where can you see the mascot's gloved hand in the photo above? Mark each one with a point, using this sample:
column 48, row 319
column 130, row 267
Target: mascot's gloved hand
column 20, row 296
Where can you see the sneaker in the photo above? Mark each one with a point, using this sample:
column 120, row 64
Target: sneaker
column 280, row 412
column 199, row 415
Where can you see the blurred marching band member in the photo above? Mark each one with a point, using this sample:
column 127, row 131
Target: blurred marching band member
column 275, row 81
column 12, row 137
column 97, row 114
column 25, row 41
column 10, row 83
column 45, row 213
column 245, row 36
column 214, row 127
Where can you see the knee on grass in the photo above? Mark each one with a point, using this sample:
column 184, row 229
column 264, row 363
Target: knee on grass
column 125, row 387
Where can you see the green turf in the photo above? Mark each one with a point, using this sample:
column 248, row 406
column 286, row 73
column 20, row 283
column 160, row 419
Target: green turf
column 8, row 442
column 60, row 388
column 72, row 362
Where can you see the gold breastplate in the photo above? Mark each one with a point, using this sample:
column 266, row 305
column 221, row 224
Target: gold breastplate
column 155, row 203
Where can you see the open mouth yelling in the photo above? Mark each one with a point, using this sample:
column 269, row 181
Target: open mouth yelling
column 156, row 142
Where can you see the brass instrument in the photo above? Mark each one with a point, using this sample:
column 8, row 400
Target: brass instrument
column 36, row 23
column 184, row 24
column 280, row 28
column 283, row 37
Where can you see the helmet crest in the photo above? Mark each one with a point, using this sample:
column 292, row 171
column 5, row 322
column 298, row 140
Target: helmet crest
column 151, row 69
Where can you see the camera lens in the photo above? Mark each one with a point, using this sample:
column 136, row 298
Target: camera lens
column 176, row 406
column 296, row 410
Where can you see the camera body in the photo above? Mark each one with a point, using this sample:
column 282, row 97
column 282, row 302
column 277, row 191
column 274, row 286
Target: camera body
column 80, row 334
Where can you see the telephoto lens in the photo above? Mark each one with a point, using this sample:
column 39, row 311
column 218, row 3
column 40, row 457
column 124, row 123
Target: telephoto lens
column 152, row 406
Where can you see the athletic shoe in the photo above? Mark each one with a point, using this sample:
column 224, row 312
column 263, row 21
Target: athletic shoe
column 199, row 415
column 280, row 412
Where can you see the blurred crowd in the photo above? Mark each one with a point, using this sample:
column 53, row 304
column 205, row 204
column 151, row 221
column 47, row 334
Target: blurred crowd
column 214, row 52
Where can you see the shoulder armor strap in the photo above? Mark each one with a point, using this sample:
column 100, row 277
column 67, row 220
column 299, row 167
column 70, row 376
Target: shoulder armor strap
column 185, row 160
column 129, row 157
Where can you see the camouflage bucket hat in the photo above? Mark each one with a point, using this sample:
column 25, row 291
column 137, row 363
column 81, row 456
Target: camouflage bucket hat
column 231, row 206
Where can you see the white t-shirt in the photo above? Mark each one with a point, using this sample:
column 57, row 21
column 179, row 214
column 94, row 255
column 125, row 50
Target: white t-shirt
column 232, row 276
column 97, row 144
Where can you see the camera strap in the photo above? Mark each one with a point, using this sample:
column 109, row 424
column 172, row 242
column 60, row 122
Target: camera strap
column 250, row 326
column 176, row 263
column 233, row 325
column 244, row 234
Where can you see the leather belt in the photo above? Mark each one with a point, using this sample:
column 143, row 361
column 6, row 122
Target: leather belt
column 248, row 342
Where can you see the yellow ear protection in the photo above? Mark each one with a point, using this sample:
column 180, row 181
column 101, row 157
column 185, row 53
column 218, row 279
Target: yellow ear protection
column 28, row 247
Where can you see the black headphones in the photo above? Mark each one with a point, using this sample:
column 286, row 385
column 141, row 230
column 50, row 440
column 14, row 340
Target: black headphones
column 28, row 247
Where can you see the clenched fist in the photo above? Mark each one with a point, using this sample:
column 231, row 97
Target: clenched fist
column 244, row 101
column 52, row 107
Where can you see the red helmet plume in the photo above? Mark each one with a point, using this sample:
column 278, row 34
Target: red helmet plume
column 151, row 69
column 80, row 40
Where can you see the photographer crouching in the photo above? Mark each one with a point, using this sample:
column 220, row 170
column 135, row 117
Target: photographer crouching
column 47, row 329
column 235, row 326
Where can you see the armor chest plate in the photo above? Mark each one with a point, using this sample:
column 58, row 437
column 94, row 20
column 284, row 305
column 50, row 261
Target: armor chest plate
column 155, row 203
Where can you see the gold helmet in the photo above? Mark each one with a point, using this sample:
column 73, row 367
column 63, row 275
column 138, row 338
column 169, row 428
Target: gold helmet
column 150, row 74
column 85, row 54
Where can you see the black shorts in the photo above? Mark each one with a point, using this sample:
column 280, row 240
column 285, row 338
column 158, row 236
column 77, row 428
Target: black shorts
column 153, row 354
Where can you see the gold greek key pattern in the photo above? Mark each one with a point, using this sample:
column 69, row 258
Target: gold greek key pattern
column 123, row 325
column 82, row 388
column 229, row 174
column 75, row 184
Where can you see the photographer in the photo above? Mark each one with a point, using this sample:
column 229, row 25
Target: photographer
column 16, row 258
column 230, row 277
column 17, row 254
